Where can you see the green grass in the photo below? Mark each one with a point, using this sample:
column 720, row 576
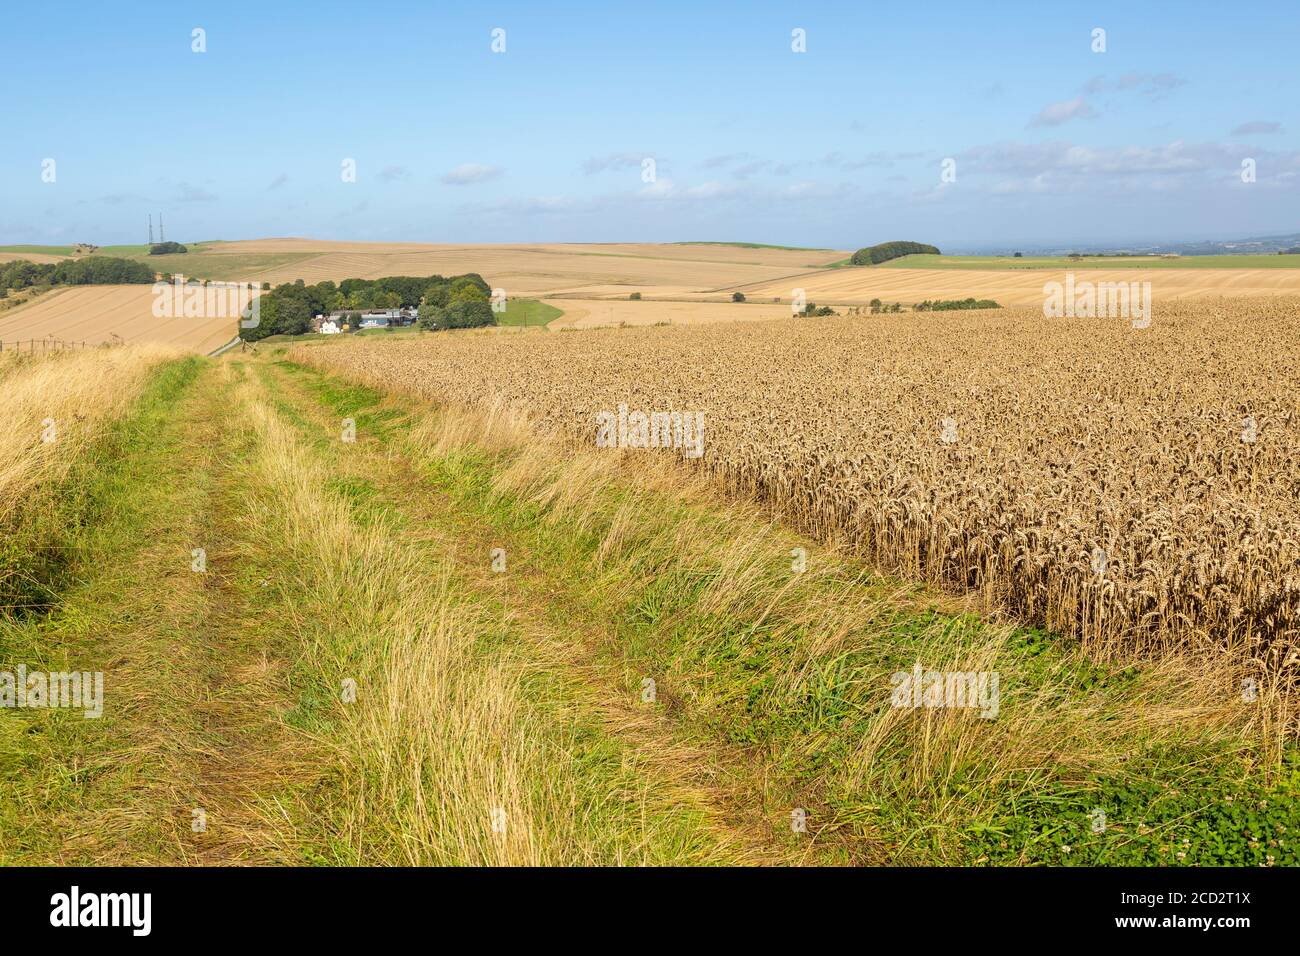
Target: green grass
column 1168, row 810
column 526, row 312
column 1092, row 262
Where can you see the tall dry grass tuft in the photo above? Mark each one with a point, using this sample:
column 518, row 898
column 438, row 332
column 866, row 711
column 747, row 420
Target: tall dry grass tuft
column 55, row 405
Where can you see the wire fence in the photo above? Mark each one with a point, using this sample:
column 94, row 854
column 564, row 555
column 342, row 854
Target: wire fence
column 45, row 345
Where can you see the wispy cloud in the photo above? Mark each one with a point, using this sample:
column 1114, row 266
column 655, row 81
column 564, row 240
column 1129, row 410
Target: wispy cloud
column 1054, row 114
column 727, row 159
column 356, row 210
column 879, row 159
column 468, row 174
column 191, row 193
column 1147, row 84
column 279, row 181
column 601, row 164
column 1060, row 167
column 1256, row 128
column 391, row 174
column 119, row 199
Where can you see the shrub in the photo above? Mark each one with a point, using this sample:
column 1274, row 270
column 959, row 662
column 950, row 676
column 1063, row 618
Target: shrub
column 469, row 314
column 166, row 248
column 635, row 296
column 737, row 297
column 431, row 316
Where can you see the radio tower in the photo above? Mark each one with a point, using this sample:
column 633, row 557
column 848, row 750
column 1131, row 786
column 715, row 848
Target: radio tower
column 161, row 237
column 151, row 229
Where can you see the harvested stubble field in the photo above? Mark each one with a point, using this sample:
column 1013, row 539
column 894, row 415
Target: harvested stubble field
column 597, row 313
column 1104, row 481
column 105, row 314
column 897, row 283
column 582, row 269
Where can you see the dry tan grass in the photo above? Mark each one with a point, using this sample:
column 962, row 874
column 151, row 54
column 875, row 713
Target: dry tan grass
column 1074, row 436
column 67, row 397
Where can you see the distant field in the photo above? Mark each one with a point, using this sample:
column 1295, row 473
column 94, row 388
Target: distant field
column 207, row 260
column 109, row 313
column 528, row 312
column 755, row 245
column 218, row 264
column 536, row 270
column 598, row 313
column 1092, row 262
column 857, row 286
column 698, row 278
column 35, row 250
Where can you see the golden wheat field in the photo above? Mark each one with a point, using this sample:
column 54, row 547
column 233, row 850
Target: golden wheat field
column 106, row 314
column 1133, row 488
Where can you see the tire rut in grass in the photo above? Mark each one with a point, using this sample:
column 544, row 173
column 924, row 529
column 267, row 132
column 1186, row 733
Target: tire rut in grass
column 732, row 786
column 190, row 704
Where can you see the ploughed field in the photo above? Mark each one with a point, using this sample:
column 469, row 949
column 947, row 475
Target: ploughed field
column 1133, row 488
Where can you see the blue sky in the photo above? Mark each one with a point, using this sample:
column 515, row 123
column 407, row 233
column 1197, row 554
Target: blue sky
column 839, row 146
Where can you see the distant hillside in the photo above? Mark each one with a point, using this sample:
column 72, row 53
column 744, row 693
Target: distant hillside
column 755, row 245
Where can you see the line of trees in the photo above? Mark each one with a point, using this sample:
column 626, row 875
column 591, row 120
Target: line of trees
column 444, row 302
column 949, row 305
column 92, row 270
column 884, row 251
